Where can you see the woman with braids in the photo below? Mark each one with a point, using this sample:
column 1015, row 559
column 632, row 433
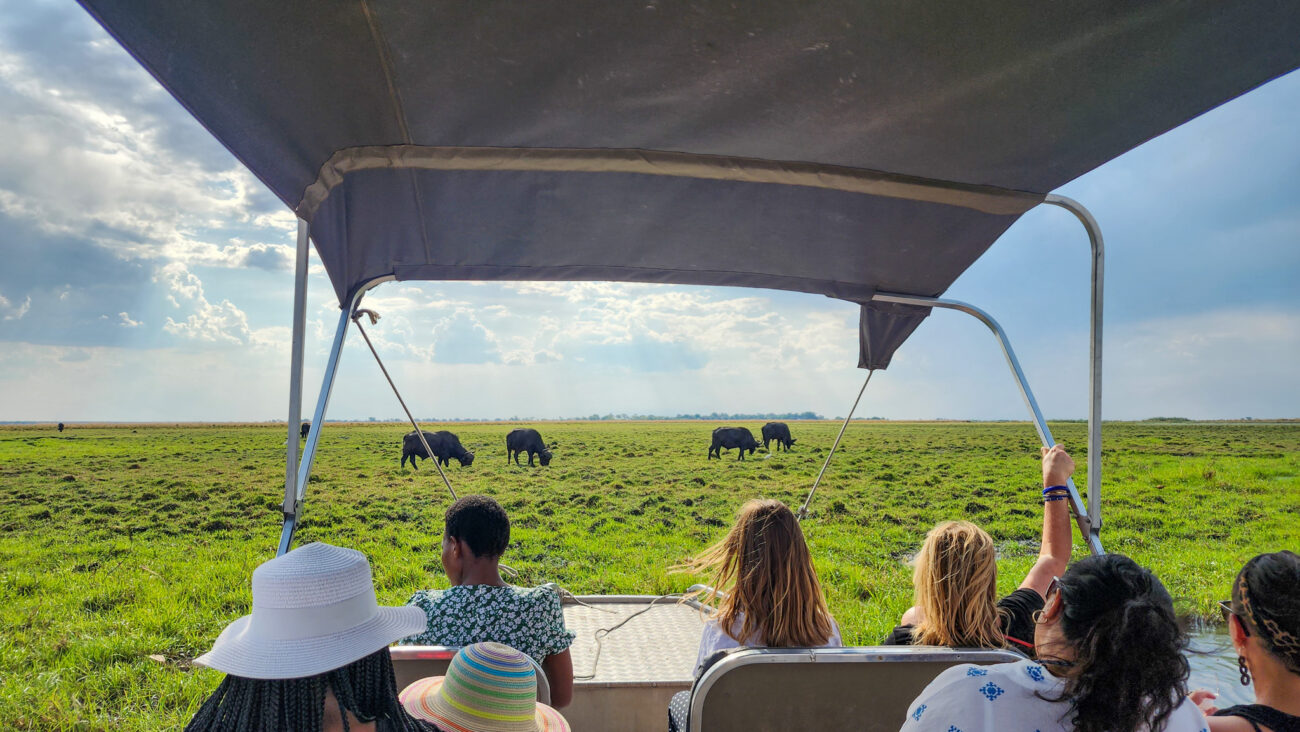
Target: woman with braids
column 770, row 595
column 1264, row 624
column 956, row 577
column 313, row 655
column 1110, row 659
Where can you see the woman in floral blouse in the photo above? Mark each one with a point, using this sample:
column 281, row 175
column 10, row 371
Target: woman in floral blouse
column 481, row 607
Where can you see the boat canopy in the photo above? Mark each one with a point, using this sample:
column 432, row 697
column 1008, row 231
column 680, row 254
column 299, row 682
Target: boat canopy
column 838, row 147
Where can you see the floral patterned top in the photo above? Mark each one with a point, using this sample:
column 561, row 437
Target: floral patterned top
column 528, row 619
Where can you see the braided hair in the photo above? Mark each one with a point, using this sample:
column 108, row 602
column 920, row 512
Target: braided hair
column 366, row 688
column 1267, row 596
column 1129, row 671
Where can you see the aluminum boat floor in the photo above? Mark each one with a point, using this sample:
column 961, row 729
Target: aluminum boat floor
column 640, row 664
column 658, row 646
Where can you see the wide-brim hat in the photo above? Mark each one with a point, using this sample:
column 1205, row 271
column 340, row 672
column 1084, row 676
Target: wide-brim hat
column 314, row 610
column 489, row 687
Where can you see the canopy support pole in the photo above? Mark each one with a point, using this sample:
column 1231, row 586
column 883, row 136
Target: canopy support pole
column 317, row 424
column 1094, row 350
column 437, row 463
column 295, row 369
column 803, row 510
column 1090, row 532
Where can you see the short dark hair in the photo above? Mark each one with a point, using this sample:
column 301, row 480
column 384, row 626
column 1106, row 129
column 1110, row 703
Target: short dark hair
column 480, row 522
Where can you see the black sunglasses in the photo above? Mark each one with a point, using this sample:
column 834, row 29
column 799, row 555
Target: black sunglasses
column 1225, row 607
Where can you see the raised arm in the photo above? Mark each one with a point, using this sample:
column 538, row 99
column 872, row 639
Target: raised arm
column 1058, row 536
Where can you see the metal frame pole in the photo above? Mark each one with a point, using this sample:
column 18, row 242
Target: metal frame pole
column 295, row 368
column 1089, row 530
column 318, row 425
column 1094, row 350
column 803, row 510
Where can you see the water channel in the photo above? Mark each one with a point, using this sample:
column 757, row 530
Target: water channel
column 1214, row 667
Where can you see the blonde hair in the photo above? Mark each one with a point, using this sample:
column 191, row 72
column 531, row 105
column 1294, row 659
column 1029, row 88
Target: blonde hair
column 956, row 581
column 766, row 572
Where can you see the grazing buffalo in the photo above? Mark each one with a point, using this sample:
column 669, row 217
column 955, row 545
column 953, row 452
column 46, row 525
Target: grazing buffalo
column 305, row 430
column 445, row 446
column 777, row 431
column 725, row 438
column 527, row 440
column 60, row 426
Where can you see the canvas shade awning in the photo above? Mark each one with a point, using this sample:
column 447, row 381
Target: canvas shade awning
column 840, row 147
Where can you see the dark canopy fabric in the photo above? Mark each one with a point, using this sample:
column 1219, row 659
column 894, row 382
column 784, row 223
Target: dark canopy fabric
column 840, row 147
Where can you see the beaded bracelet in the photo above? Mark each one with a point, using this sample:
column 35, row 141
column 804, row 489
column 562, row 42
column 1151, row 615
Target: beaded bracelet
column 1054, row 498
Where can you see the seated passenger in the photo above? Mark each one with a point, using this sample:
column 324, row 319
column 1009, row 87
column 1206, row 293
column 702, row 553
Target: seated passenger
column 480, row 606
column 313, row 655
column 1264, row 624
column 1110, row 653
column 489, row 687
column 772, row 595
column 956, row 578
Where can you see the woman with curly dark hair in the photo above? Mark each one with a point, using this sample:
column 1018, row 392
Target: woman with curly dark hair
column 1264, row 624
column 1110, row 659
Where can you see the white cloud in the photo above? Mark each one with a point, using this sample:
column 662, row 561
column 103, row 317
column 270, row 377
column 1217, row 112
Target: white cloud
column 14, row 312
column 220, row 323
column 127, row 322
column 86, row 167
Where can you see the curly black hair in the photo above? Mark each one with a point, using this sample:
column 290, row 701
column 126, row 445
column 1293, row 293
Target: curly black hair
column 1129, row 670
column 481, row 523
column 1267, row 595
column 366, row 688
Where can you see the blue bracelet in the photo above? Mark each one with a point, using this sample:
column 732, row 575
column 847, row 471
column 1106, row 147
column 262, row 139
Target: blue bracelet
column 1051, row 488
column 1054, row 498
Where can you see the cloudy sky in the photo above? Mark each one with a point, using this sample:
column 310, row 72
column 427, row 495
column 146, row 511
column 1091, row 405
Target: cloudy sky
column 146, row 276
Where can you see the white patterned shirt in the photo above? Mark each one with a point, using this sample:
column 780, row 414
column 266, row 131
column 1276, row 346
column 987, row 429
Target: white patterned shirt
column 1008, row 697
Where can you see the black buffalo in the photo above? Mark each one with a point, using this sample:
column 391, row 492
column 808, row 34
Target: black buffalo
column 445, row 446
column 725, row 438
column 777, row 431
column 527, row 440
column 305, row 430
column 60, row 426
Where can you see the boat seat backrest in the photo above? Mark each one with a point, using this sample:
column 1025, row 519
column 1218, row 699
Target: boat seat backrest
column 782, row 689
column 412, row 663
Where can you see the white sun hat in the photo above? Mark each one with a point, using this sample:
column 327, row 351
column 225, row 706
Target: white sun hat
column 314, row 610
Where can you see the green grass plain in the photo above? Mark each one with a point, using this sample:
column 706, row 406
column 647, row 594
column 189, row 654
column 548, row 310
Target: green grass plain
column 126, row 549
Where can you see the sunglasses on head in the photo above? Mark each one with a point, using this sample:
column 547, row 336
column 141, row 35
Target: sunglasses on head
column 1225, row 607
column 1053, row 586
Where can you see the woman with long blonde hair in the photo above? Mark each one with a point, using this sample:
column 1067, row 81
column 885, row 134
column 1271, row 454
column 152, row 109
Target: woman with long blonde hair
column 956, row 577
column 765, row 586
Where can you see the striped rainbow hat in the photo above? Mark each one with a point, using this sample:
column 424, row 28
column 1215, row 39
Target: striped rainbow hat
column 489, row 687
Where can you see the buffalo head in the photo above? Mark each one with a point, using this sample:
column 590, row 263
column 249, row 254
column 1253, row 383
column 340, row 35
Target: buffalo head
column 467, row 459
column 545, row 457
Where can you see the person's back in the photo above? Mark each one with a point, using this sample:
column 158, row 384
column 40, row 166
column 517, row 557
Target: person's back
column 772, row 595
column 1110, row 659
column 480, row 607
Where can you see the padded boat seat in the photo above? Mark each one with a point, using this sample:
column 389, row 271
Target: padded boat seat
column 412, row 663
column 782, row 689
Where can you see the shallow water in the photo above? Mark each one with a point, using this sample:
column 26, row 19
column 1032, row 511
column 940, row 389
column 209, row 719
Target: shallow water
column 1214, row 667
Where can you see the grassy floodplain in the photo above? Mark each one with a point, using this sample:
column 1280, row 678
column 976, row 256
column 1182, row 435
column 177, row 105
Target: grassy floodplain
column 125, row 549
